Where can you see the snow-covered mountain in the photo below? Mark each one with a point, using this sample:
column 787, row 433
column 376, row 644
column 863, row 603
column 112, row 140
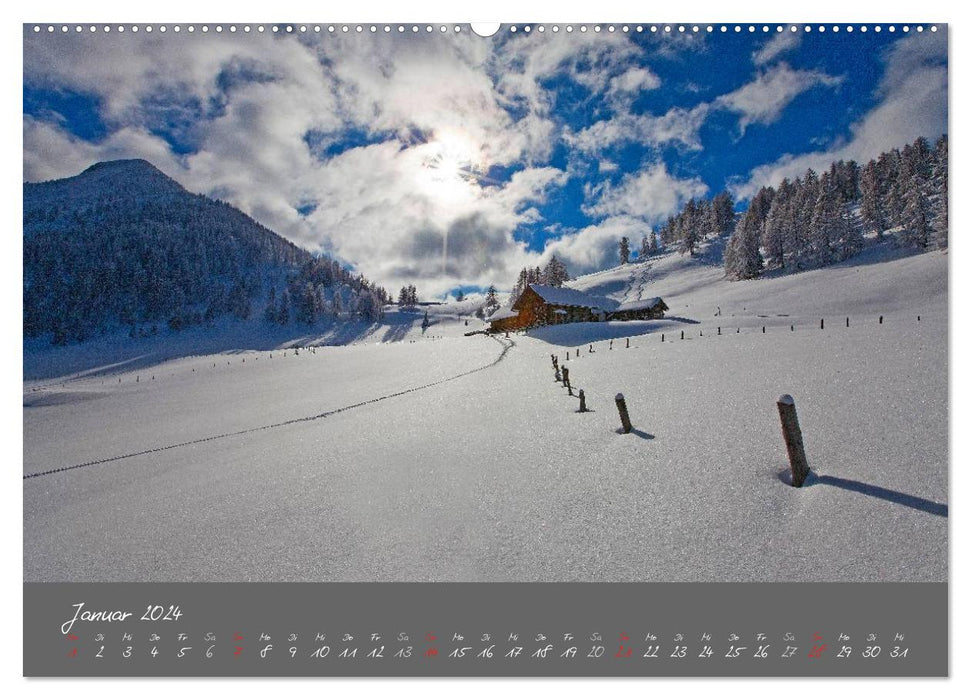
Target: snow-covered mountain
column 122, row 244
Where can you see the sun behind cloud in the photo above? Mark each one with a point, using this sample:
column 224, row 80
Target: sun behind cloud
column 449, row 167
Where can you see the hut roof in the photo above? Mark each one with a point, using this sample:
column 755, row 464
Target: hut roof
column 641, row 304
column 501, row 313
column 564, row 296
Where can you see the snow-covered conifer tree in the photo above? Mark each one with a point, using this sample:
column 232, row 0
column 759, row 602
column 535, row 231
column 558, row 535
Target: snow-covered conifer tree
column 723, row 207
column 822, row 226
column 848, row 232
column 871, row 209
column 939, row 186
column 777, row 225
column 555, row 273
column 690, row 234
column 491, row 300
column 743, row 260
column 283, row 309
column 915, row 215
column 337, row 304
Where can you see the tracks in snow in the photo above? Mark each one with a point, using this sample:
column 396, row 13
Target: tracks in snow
column 507, row 345
column 640, row 273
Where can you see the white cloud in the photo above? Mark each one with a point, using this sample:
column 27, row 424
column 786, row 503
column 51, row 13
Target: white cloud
column 676, row 126
column 778, row 44
column 51, row 153
column 651, row 194
column 596, row 247
column 913, row 103
column 762, row 100
column 632, row 81
column 522, row 63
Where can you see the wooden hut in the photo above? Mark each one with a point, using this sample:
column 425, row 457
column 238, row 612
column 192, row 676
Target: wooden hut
column 544, row 305
column 504, row 319
column 640, row 309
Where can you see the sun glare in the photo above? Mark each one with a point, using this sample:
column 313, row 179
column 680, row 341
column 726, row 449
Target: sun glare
column 450, row 163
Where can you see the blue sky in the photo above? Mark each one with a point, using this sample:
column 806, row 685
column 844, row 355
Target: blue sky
column 446, row 159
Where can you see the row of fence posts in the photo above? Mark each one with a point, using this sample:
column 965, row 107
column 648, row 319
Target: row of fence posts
column 792, row 327
column 562, row 375
column 786, row 405
column 296, row 351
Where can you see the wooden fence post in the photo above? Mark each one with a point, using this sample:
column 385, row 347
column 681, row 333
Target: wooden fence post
column 611, row 346
column 628, row 342
column 682, row 335
column 662, row 337
column 622, row 410
column 566, row 376
column 556, row 375
column 719, row 330
column 847, row 321
column 763, row 329
column 583, row 402
column 822, row 324
column 793, row 437
column 881, row 320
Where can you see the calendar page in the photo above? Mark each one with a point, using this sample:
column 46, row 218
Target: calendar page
column 533, row 349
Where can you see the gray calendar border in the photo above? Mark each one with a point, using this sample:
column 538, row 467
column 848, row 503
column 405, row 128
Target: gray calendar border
column 457, row 614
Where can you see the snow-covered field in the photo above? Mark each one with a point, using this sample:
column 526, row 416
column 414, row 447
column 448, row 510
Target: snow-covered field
column 459, row 459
